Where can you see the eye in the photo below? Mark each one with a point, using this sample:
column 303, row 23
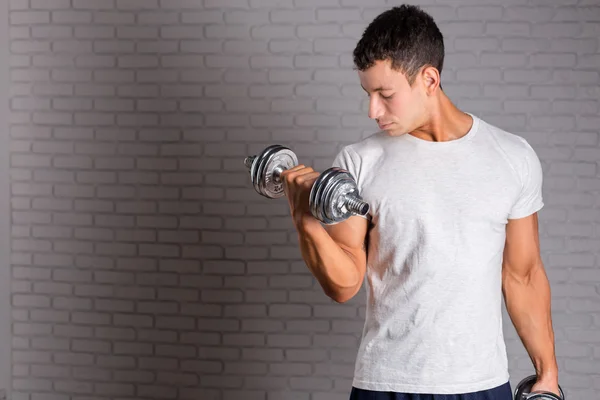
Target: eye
column 387, row 97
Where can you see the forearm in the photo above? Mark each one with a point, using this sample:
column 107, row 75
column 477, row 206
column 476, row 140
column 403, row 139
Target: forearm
column 333, row 268
column 528, row 303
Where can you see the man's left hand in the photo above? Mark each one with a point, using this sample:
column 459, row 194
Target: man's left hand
column 546, row 386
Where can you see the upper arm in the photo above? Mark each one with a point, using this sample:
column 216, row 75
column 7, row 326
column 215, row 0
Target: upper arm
column 522, row 248
column 351, row 236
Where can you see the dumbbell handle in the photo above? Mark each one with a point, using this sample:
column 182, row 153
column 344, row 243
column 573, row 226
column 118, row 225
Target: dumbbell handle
column 356, row 205
column 277, row 173
column 248, row 161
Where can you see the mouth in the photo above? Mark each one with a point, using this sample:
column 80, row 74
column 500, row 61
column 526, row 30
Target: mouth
column 385, row 126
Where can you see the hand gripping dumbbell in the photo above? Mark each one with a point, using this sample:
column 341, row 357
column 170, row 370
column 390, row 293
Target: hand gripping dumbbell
column 523, row 391
column 333, row 197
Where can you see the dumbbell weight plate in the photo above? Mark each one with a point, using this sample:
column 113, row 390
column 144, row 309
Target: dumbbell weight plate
column 257, row 173
column 334, row 205
column 262, row 170
column 543, row 396
column 315, row 198
column 283, row 159
column 523, row 391
column 328, row 197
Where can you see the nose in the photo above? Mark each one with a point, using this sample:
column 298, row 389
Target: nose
column 375, row 109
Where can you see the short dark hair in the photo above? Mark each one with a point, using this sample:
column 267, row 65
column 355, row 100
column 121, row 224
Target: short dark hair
column 407, row 36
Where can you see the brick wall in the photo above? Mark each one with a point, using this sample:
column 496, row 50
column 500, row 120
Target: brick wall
column 144, row 265
column 5, row 269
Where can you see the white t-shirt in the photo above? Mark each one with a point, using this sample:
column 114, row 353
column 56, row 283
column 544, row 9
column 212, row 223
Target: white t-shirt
column 438, row 213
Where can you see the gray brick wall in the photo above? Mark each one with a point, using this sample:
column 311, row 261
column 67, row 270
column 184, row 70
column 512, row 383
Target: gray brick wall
column 144, row 265
column 5, row 268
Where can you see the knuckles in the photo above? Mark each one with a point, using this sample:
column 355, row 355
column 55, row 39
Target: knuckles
column 296, row 175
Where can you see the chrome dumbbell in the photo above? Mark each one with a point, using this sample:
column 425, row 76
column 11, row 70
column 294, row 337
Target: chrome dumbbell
column 333, row 197
column 523, row 391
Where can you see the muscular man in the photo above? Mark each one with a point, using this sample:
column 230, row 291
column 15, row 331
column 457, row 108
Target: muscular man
column 452, row 228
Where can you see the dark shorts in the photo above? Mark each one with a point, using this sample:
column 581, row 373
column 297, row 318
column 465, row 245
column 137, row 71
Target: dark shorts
column 502, row 392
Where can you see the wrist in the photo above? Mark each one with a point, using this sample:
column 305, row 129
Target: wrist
column 547, row 375
column 305, row 222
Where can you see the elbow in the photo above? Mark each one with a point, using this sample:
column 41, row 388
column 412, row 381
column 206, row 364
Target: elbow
column 345, row 287
column 522, row 276
column 340, row 299
column 341, row 296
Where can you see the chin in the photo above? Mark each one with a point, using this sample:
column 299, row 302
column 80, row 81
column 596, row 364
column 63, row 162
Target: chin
column 394, row 131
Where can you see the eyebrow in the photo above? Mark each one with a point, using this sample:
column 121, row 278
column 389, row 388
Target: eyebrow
column 379, row 89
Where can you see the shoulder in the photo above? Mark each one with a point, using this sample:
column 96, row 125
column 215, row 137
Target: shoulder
column 367, row 148
column 507, row 140
column 516, row 149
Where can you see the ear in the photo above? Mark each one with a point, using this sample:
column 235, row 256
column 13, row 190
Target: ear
column 431, row 79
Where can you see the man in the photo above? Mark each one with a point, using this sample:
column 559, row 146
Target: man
column 452, row 228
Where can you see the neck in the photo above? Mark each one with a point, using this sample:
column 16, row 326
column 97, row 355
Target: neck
column 444, row 121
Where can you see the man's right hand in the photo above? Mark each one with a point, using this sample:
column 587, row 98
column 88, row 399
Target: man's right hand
column 297, row 183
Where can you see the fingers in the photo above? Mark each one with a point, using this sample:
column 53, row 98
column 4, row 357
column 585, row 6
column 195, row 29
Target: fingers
column 297, row 182
column 298, row 167
column 297, row 174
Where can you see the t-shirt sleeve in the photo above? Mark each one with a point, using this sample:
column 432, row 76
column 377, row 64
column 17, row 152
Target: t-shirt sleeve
column 344, row 160
column 530, row 197
column 347, row 159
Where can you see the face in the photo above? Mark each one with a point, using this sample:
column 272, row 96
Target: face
column 397, row 106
